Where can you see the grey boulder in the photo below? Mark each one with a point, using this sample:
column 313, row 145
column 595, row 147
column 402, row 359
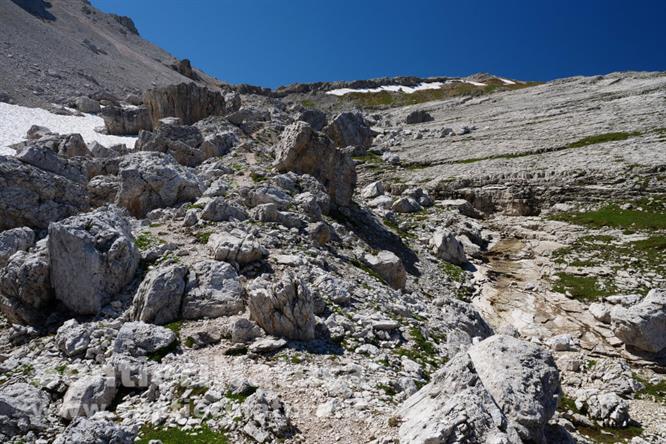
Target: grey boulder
column 643, row 325
column 214, row 290
column 159, row 297
column 87, row 396
column 11, row 241
column 22, row 408
column 92, row 257
column 445, row 246
column 95, row 431
column 141, row 339
column 389, row 267
column 305, row 151
column 32, row 197
column 150, row 180
column 350, row 129
column 187, row 101
column 284, row 308
column 235, row 248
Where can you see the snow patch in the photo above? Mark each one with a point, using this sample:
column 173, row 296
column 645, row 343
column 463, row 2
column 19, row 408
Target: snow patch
column 507, row 81
column 15, row 121
column 472, row 82
column 390, row 88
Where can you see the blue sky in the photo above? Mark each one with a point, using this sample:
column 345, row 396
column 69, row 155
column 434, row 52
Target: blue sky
column 277, row 42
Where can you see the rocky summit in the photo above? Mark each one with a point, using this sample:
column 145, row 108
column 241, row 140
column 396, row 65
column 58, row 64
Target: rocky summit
column 397, row 260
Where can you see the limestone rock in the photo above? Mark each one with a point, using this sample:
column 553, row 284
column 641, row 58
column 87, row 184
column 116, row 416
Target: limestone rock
column 523, row 380
column 92, row 257
column 47, row 160
column 126, row 121
column 22, row 408
column 88, row 396
column 218, row 210
column 11, row 241
column 350, row 129
column 235, row 249
column 158, row 299
column 25, row 286
column 389, row 267
column 445, row 246
column 154, row 180
column 284, row 308
column 72, row 338
column 187, row 101
column 643, row 325
column 140, row 339
column 418, row 116
column 304, row 151
column 33, row 197
column 214, row 290
column 265, row 417
column 97, row 431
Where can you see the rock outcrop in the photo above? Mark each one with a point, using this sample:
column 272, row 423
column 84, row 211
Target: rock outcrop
column 126, row 121
column 350, row 129
column 502, row 390
column 305, row 151
column 92, row 257
column 33, row 197
column 214, row 290
column 187, row 101
column 284, row 308
column 154, row 180
column 643, row 325
column 159, row 297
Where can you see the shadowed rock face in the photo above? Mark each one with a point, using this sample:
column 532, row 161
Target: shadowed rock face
column 38, row 8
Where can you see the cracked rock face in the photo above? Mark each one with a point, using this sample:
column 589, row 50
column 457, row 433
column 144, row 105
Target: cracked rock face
column 92, row 257
column 643, row 325
column 305, row 151
column 284, row 308
column 502, row 390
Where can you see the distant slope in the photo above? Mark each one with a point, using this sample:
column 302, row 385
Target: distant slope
column 53, row 51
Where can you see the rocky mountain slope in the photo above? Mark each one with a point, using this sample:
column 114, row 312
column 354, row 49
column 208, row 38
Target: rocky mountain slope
column 476, row 261
column 54, row 52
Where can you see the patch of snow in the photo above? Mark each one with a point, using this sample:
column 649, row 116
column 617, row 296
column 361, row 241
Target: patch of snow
column 507, row 81
column 390, row 88
column 15, row 121
column 472, row 82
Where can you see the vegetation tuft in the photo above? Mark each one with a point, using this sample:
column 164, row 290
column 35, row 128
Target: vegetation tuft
column 205, row 435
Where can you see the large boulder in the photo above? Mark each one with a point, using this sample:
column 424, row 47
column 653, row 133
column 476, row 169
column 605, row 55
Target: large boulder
column 95, row 431
column 187, row 101
column 33, row 197
column 141, row 339
column 214, row 290
column 446, row 246
column 350, row 129
column 264, row 418
column 523, row 380
column 127, row 121
column 11, row 241
column 389, row 266
column 158, row 299
column 25, row 286
column 305, row 151
column 72, row 338
column 643, row 325
column 218, row 210
column 150, row 180
column 454, row 407
column 502, row 390
column 88, row 395
column 47, row 160
column 284, row 308
column 418, row 116
column 92, row 257
column 238, row 248
column 22, row 408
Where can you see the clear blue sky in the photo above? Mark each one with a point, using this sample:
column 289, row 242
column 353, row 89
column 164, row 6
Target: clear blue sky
column 276, row 42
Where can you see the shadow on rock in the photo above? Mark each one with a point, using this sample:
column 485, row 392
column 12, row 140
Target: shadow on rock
column 37, row 8
column 366, row 226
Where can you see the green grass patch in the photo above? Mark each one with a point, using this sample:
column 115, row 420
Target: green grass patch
column 195, row 206
column 654, row 392
column 307, row 103
column 146, row 240
column 602, row 138
column 387, row 389
column 205, row 435
column 368, row 158
column 615, row 217
column 583, row 288
column 606, row 435
column 203, row 236
column 241, row 397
